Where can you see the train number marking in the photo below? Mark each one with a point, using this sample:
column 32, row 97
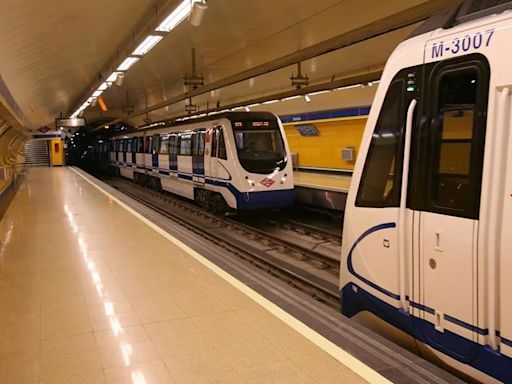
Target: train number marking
column 463, row 44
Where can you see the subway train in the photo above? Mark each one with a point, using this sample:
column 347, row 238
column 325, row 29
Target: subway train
column 239, row 160
column 426, row 241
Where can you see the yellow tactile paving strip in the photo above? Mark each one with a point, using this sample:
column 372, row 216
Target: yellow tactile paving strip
column 90, row 294
column 328, row 182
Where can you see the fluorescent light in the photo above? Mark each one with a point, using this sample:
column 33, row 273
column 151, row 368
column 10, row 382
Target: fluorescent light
column 97, row 94
column 307, row 98
column 271, row 102
column 176, row 17
column 127, row 63
column 146, row 46
column 103, row 87
column 290, row 98
column 319, row 92
column 247, row 109
column 112, row 77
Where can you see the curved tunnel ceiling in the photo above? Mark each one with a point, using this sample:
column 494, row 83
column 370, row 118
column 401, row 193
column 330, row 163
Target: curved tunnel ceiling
column 53, row 51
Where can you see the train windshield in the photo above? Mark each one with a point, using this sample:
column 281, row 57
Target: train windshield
column 260, row 147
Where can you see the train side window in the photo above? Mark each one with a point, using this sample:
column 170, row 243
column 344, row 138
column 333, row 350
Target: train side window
column 155, row 144
column 173, row 142
column 382, row 174
column 215, row 133
column 199, row 143
column 128, row 145
column 185, row 144
column 164, row 146
column 147, row 147
column 457, row 150
column 221, row 153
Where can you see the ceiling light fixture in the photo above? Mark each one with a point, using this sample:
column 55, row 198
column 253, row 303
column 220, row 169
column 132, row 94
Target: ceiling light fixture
column 146, row 46
column 127, row 64
column 247, row 109
column 120, row 79
column 307, row 98
column 111, row 79
column 180, row 13
column 103, row 87
column 197, row 14
column 176, row 17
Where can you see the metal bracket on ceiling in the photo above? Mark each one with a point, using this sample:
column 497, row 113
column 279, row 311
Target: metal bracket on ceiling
column 300, row 80
column 193, row 81
column 191, row 108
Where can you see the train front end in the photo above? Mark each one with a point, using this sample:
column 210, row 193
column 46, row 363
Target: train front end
column 264, row 171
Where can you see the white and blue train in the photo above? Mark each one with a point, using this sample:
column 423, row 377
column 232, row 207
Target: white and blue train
column 427, row 245
column 236, row 159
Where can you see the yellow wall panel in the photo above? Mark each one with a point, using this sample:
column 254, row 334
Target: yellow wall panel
column 324, row 151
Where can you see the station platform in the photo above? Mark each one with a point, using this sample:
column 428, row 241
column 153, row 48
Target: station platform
column 321, row 189
column 90, row 292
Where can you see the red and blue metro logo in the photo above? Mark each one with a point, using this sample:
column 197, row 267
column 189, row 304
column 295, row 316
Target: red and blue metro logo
column 267, row 182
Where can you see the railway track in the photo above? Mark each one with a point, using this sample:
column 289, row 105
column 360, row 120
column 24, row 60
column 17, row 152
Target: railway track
column 310, row 265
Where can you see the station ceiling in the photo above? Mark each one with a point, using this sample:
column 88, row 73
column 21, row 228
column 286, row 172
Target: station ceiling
column 53, row 52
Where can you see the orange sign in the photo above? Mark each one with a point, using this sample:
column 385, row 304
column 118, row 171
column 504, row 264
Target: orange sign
column 102, row 104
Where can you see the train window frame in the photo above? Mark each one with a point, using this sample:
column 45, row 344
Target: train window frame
column 221, row 148
column 468, row 204
column 390, row 196
column 185, row 136
column 215, row 133
column 173, row 143
column 198, row 142
column 164, row 145
column 155, row 144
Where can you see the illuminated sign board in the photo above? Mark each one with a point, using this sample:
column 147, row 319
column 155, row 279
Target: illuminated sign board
column 70, row 123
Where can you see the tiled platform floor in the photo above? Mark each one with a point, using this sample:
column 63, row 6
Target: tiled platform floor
column 90, row 294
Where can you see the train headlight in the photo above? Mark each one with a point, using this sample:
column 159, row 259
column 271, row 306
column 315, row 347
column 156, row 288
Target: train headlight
column 283, row 180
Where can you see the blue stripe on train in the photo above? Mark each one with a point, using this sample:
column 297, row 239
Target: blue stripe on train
column 355, row 299
column 244, row 200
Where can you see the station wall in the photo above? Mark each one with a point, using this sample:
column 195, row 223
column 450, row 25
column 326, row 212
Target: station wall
column 324, row 150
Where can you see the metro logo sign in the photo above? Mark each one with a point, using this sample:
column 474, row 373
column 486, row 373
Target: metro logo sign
column 267, row 182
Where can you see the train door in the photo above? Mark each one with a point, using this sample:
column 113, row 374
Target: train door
column 218, row 152
column 214, row 163
column 198, row 145
column 446, row 174
column 155, row 145
column 124, row 145
column 133, row 147
column 173, row 153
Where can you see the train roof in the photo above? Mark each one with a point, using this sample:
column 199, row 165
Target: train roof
column 232, row 116
column 465, row 11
